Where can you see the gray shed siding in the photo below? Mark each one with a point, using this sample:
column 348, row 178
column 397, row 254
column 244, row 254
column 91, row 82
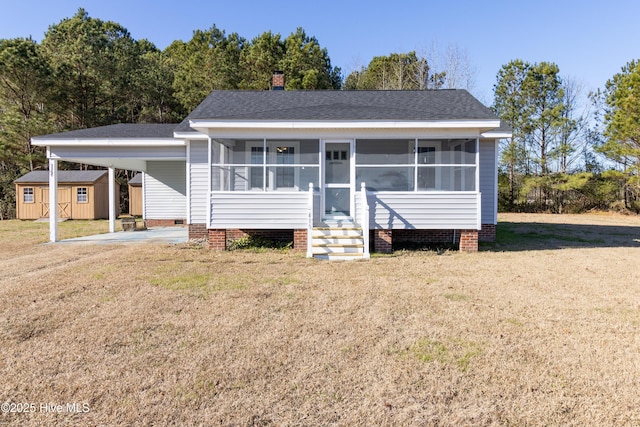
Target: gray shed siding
column 488, row 180
column 198, row 188
column 165, row 190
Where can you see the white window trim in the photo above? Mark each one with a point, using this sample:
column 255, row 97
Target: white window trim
column 86, row 195
column 24, row 195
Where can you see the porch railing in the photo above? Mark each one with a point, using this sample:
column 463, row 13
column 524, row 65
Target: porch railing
column 364, row 218
column 310, row 222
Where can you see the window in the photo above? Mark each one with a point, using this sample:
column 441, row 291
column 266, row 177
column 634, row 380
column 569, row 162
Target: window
column 285, row 176
column 427, row 176
column 81, row 195
column 277, row 165
column 27, row 195
column 256, row 173
column 336, row 155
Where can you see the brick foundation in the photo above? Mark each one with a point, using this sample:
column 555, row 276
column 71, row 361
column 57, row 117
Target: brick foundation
column 383, row 241
column 469, row 240
column 488, row 233
column 424, row 236
column 164, row 222
column 217, row 239
column 284, row 236
column 300, row 239
column 197, row 231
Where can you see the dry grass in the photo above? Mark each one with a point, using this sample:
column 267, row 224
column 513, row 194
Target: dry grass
column 539, row 329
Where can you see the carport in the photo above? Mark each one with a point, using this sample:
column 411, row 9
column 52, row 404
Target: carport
column 120, row 146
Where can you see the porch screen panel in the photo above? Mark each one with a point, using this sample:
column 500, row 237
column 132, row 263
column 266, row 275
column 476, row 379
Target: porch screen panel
column 385, row 164
column 446, row 165
column 265, row 165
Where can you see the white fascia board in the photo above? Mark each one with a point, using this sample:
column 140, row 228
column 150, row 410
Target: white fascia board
column 191, row 135
column 498, row 135
column 108, row 142
column 208, row 125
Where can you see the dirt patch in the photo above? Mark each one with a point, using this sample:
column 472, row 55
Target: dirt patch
column 517, row 334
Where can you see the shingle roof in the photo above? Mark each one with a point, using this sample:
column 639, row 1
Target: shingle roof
column 121, row 130
column 63, row 176
column 136, row 180
column 320, row 105
column 424, row 105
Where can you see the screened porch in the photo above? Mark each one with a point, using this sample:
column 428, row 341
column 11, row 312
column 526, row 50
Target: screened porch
column 286, row 183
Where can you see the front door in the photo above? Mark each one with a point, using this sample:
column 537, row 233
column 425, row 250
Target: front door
column 337, row 179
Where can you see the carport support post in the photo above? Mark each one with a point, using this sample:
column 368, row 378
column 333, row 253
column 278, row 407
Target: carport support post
column 53, row 200
column 112, row 200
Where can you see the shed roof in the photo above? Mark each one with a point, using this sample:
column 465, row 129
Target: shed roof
column 332, row 105
column 136, row 180
column 64, row 177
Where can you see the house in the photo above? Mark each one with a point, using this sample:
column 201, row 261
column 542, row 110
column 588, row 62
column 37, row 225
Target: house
column 135, row 195
column 81, row 195
column 339, row 173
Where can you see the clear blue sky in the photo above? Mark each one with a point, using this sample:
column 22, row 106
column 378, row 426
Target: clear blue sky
column 589, row 40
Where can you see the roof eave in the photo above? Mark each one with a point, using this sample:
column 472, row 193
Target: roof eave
column 205, row 125
column 193, row 134
column 496, row 134
column 107, row 142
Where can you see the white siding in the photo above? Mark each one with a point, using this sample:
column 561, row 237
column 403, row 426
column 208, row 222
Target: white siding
column 277, row 210
column 488, row 181
column 165, row 190
column 408, row 210
column 198, row 189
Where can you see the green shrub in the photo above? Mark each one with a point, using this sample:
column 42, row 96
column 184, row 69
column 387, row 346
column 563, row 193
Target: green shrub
column 256, row 242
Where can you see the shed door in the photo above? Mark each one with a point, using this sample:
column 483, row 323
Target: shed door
column 64, row 202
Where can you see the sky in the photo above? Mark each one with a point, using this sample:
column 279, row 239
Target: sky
column 589, row 40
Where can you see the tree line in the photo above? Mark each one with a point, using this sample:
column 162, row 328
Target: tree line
column 87, row 72
column 563, row 157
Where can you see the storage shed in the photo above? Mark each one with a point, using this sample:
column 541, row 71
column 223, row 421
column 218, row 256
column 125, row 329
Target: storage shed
column 135, row 195
column 81, row 195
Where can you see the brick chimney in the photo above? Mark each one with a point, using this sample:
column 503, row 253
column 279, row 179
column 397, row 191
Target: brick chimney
column 277, row 83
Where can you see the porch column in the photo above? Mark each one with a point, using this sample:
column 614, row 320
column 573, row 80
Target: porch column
column 112, row 200
column 53, row 200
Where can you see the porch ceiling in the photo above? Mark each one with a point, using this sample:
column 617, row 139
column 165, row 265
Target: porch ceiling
column 129, row 157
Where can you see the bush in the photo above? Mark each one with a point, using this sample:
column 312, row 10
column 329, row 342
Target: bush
column 570, row 193
column 256, row 242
